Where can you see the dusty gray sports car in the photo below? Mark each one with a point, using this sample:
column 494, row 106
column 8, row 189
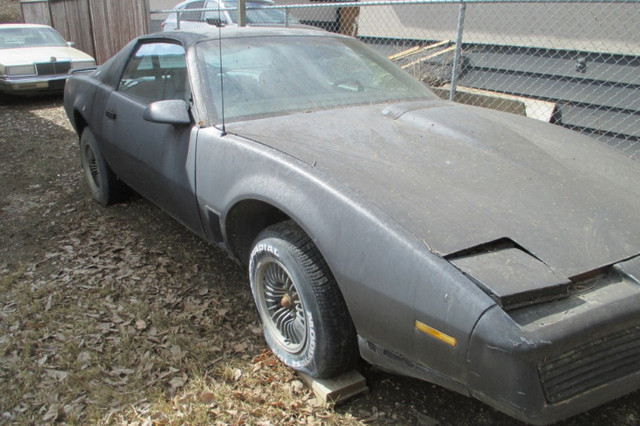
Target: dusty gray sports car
column 488, row 253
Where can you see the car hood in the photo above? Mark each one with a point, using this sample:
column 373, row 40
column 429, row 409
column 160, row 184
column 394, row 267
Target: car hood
column 461, row 177
column 30, row 55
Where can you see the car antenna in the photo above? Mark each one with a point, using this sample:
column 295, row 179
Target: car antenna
column 224, row 128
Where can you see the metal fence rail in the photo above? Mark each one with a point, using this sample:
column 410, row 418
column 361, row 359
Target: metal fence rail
column 572, row 62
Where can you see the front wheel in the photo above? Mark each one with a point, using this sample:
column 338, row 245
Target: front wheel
column 305, row 320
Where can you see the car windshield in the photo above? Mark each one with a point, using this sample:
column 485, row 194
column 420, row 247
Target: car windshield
column 29, row 37
column 269, row 76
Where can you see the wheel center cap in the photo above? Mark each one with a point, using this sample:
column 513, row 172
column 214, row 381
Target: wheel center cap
column 286, row 302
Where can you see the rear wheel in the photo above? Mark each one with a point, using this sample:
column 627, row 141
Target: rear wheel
column 305, row 320
column 104, row 186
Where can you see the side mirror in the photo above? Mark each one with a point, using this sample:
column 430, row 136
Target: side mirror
column 172, row 111
column 71, row 43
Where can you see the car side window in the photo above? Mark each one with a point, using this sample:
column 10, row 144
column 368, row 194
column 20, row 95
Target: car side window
column 157, row 71
column 192, row 16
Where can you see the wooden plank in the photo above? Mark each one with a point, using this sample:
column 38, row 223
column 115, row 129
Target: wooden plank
column 100, row 33
column 425, row 58
column 115, row 23
column 71, row 19
column 414, row 50
column 532, row 108
column 404, row 53
column 36, row 12
column 337, row 389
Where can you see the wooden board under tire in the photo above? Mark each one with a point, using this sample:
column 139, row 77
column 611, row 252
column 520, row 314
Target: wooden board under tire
column 337, row 389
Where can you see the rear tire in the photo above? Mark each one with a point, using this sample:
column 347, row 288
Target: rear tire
column 305, row 319
column 103, row 183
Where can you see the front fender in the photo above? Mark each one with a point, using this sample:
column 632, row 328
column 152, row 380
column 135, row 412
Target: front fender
column 388, row 277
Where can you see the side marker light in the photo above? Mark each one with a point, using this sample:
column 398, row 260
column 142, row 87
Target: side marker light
column 451, row 341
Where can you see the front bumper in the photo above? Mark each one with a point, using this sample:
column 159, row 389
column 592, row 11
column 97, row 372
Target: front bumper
column 33, row 84
column 550, row 361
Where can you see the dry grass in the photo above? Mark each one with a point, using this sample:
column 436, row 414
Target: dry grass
column 120, row 315
column 109, row 326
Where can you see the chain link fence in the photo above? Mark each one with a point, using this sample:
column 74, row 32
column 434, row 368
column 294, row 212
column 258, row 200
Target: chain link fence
column 573, row 63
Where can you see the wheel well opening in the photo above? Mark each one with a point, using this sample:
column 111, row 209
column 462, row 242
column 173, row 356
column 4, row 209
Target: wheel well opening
column 245, row 221
column 79, row 121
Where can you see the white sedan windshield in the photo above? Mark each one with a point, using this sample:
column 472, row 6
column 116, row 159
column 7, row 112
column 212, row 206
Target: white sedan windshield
column 29, row 37
column 270, row 76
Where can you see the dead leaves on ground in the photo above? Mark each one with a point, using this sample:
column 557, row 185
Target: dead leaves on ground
column 109, row 318
column 103, row 320
column 267, row 394
column 120, row 315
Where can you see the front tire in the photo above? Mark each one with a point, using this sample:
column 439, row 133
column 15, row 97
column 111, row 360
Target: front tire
column 305, row 319
column 103, row 184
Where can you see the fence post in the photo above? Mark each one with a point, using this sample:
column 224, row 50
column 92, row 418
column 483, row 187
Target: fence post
column 178, row 16
column 242, row 13
column 456, row 57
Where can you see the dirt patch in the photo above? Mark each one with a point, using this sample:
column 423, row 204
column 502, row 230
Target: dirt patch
column 121, row 315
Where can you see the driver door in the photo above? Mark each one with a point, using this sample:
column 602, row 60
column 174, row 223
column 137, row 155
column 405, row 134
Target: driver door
column 155, row 159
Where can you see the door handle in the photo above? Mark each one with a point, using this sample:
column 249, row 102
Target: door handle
column 110, row 114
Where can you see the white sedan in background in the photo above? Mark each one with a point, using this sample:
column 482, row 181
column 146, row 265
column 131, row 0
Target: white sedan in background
column 192, row 16
column 36, row 59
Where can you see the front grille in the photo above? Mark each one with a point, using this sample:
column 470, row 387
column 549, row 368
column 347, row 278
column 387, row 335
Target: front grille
column 591, row 365
column 50, row 68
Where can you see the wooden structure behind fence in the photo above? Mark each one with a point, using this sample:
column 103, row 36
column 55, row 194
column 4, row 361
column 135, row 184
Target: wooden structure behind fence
column 99, row 27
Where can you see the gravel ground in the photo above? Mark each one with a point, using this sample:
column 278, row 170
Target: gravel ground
column 120, row 315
